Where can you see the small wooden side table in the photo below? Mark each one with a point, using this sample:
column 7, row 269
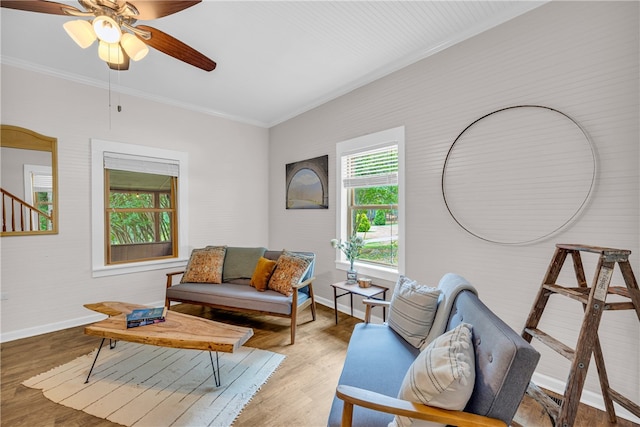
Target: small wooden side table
column 372, row 292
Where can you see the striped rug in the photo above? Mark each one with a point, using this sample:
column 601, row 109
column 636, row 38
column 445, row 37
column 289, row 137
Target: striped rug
column 142, row 385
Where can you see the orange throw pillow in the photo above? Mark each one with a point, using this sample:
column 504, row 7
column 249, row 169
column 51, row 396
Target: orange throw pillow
column 262, row 273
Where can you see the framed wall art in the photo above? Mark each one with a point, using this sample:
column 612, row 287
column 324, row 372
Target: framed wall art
column 307, row 184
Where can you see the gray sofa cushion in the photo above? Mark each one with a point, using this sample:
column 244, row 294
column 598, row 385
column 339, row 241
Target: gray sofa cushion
column 234, row 295
column 377, row 360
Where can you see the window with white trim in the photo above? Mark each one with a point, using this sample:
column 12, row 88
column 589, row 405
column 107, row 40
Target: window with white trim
column 140, row 212
column 371, row 190
column 139, row 208
column 38, row 191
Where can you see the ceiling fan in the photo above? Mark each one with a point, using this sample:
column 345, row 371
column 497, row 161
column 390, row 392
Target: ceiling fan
column 111, row 22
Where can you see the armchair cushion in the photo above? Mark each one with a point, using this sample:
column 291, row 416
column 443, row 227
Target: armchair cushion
column 412, row 310
column 443, row 375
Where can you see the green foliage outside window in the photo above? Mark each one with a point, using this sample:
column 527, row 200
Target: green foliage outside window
column 138, row 227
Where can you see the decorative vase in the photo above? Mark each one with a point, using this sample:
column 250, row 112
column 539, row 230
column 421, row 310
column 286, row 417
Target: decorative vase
column 352, row 275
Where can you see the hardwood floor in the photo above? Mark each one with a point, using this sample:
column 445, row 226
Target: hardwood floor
column 298, row 394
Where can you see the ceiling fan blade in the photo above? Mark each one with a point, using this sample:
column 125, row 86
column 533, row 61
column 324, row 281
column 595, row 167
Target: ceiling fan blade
column 174, row 47
column 158, row 8
column 41, row 6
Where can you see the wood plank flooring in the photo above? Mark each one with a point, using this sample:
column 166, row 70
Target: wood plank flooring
column 298, row 394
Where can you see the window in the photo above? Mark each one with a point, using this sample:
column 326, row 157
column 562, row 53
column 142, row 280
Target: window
column 140, row 215
column 38, row 190
column 371, row 200
column 138, row 208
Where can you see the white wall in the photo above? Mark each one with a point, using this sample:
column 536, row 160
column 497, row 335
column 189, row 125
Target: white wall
column 45, row 280
column 578, row 57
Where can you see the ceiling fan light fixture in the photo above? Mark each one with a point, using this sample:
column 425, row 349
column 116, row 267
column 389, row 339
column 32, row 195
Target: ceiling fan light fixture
column 107, row 29
column 134, row 47
column 111, row 53
column 80, row 32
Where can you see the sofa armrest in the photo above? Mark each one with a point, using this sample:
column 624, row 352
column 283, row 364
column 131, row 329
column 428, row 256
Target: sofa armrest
column 369, row 304
column 304, row 283
column 379, row 402
column 170, row 277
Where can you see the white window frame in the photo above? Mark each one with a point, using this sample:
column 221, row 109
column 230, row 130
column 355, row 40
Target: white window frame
column 29, row 171
column 99, row 266
column 353, row 146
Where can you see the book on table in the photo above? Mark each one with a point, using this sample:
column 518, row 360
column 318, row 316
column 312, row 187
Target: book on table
column 146, row 316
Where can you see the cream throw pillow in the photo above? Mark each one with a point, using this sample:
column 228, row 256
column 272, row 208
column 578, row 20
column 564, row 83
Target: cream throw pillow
column 443, row 375
column 412, row 310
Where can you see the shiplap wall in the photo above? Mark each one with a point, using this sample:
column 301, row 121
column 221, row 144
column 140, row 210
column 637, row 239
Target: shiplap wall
column 45, row 280
column 580, row 58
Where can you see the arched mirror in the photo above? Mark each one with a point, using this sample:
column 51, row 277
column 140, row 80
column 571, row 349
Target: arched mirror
column 29, row 181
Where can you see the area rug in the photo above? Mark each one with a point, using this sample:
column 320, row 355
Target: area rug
column 143, row 385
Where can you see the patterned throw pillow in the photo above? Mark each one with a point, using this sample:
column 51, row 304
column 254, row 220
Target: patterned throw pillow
column 290, row 268
column 412, row 310
column 443, row 374
column 205, row 265
column 262, row 273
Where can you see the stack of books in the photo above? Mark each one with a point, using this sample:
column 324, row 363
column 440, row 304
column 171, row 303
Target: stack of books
column 146, row 316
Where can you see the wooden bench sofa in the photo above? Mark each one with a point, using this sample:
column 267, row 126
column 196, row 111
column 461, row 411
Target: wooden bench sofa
column 236, row 294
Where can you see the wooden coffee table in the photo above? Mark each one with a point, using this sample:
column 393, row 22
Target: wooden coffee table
column 177, row 331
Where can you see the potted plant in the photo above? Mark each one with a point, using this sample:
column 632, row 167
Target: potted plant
column 351, row 249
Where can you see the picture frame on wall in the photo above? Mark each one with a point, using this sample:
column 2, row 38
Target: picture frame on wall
column 307, row 184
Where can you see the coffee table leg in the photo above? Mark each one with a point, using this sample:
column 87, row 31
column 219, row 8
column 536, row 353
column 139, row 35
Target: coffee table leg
column 94, row 360
column 216, row 369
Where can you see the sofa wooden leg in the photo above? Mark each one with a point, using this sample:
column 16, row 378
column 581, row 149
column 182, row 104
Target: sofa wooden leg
column 293, row 330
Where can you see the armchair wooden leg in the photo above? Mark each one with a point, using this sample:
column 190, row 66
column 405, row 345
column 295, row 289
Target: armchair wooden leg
column 347, row 414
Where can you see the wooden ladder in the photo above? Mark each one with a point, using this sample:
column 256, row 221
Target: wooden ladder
column 594, row 303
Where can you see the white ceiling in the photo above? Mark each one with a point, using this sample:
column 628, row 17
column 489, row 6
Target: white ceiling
column 276, row 59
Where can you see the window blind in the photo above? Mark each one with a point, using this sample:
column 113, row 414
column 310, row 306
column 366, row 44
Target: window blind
column 150, row 165
column 371, row 168
column 42, row 183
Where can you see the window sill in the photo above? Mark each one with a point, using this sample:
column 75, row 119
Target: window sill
column 374, row 271
column 113, row 270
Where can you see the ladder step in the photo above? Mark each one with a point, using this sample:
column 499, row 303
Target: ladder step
column 581, row 294
column 595, row 249
column 625, row 403
column 578, row 294
column 551, row 342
